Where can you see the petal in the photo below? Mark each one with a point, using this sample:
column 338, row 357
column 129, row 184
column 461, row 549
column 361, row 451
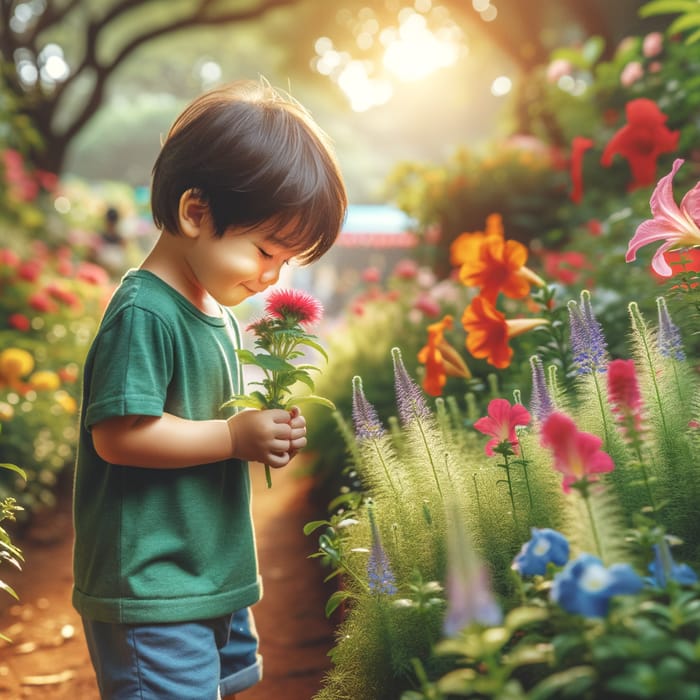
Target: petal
column 690, row 204
column 663, row 204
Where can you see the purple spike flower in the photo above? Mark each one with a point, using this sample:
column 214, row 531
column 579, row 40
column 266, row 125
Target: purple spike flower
column 410, row 400
column 541, row 404
column 670, row 343
column 590, row 349
column 379, row 574
column 364, row 415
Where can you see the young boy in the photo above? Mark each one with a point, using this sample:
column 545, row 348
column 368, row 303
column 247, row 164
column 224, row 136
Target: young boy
column 165, row 563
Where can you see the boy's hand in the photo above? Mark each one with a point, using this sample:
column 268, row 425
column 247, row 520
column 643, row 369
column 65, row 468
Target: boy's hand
column 266, row 436
column 298, row 426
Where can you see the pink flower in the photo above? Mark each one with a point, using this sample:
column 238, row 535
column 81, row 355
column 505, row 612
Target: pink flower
column 577, row 455
column 631, row 73
column 9, row 258
column 406, row 269
column 294, row 305
column 624, row 394
column 92, row 274
column 653, row 44
column 674, row 226
column 501, row 422
column 371, row 275
column 557, row 69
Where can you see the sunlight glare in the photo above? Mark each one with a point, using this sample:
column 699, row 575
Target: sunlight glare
column 417, row 51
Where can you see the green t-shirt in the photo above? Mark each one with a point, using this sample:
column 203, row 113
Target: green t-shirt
column 161, row 545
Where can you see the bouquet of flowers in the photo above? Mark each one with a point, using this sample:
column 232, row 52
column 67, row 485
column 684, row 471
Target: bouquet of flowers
column 282, row 336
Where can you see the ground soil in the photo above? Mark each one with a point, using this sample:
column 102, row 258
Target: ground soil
column 48, row 659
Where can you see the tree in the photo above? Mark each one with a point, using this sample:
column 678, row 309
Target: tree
column 43, row 79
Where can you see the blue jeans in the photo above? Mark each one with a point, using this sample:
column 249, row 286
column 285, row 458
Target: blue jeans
column 200, row 660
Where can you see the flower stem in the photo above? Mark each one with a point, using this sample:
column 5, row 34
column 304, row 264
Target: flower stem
column 594, row 530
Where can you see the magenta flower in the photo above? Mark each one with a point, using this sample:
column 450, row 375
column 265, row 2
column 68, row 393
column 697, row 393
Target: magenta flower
column 294, row 306
column 577, row 455
column 501, row 422
column 674, row 226
column 624, row 394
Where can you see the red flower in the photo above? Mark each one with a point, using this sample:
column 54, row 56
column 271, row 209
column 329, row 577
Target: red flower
column 501, row 422
column 578, row 147
column 577, row 455
column 30, row 270
column 641, row 141
column 294, row 306
column 92, row 274
column 42, row 302
column 9, row 258
column 566, row 267
column 19, row 322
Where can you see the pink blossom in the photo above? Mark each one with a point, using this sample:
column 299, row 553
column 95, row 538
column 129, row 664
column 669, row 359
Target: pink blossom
column 501, row 422
column 294, row 305
column 371, row 275
column 672, row 225
column 428, row 306
column 577, row 455
column 557, row 69
column 631, row 73
column 653, row 44
column 624, row 394
column 19, row 322
column 406, row 269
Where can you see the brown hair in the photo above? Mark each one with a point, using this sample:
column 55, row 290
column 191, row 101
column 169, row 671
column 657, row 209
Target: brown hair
column 255, row 156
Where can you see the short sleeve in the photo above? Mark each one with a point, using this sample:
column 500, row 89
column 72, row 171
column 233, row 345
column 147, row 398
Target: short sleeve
column 130, row 367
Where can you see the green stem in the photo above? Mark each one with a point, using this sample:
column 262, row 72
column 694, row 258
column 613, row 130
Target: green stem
column 601, row 404
column 430, row 457
column 587, row 501
column 506, row 466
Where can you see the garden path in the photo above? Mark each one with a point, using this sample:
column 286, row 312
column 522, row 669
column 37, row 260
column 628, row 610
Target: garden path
column 48, row 659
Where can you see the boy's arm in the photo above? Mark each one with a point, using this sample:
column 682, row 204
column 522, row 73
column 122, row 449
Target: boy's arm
column 167, row 441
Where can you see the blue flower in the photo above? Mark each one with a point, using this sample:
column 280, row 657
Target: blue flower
column 588, row 344
column 585, row 586
column 541, row 404
column 380, row 577
column 663, row 568
column 669, row 338
column 545, row 545
column 410, row 400
column 364, row 415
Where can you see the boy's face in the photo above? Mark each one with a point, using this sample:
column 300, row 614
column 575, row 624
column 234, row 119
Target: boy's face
column 241, row 263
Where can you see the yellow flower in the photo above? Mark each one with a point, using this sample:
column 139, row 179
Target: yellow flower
column 45, row 380
column 6, row 411
column 66, row 402
column 15, row 363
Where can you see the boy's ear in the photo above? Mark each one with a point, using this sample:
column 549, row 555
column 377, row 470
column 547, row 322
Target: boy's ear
column 193, row 214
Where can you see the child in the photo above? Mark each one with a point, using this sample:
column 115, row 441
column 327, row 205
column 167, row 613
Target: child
column 165, row 563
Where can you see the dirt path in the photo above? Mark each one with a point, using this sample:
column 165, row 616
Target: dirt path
column 48, row 658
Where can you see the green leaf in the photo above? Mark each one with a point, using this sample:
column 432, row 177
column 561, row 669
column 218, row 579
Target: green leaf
column 312, row 344
column 689, row 21
column 314, row 525
column 8, row 589
column 311, row 399
column 273, row 363
column 335, row 600
column 251, row 401
column 521, row 617
column 575, row 680
column 246, row 356
column 663, row 7
column 14, row 468
column 593, row 49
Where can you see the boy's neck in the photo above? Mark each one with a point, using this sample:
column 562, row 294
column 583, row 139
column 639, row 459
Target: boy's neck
column 167, row 262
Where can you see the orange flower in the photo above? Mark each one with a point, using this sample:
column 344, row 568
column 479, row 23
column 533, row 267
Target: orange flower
column 466, row 246
column 440, row 359
column 488, row 331
column 493, row 264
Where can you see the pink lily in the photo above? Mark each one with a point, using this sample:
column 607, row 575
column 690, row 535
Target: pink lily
column 501, row 422
column 577, row 455
column 675, row 226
